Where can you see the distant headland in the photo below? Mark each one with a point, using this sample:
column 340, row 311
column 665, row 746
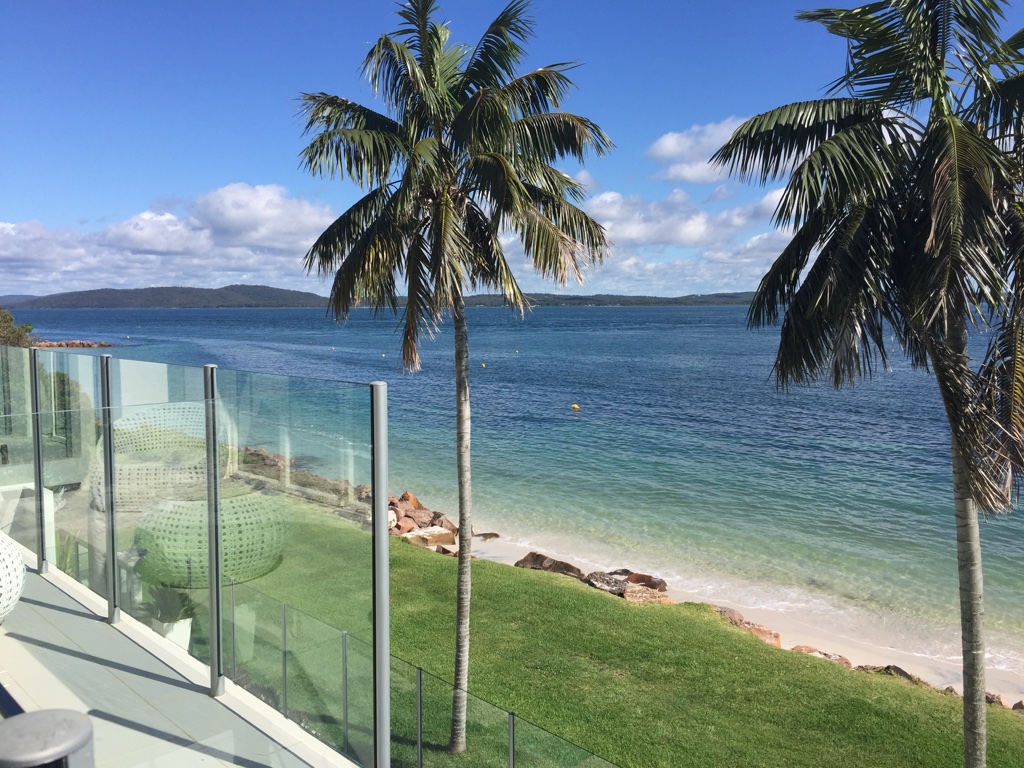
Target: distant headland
column 265, row 297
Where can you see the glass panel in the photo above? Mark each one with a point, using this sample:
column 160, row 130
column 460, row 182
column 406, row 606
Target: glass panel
column 71, row 434
column 537, row 747
column 162, row 519
column 252, row 647
column 17, row 501
column 134, row 382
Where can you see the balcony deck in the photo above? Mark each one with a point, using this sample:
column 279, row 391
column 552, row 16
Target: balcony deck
column 147, row 700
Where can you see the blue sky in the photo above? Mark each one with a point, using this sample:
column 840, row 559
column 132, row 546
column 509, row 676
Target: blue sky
column 156, row 143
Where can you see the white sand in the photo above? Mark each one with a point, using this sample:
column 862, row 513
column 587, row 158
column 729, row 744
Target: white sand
column 864, row 644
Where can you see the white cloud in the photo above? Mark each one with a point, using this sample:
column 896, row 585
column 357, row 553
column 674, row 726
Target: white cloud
column 238, row 233
column 685, row 154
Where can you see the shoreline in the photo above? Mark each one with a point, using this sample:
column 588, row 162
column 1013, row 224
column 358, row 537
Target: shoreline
column 871, row 648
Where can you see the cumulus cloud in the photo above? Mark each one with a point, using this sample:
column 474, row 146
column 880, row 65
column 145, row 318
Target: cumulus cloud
column 685, row 154
column 675, row 219
column 238, row 233
column 243, row 233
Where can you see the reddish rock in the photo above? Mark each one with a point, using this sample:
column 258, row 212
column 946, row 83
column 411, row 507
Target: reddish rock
column 1019, row 706
column 446, row 551
column 646, row 580
column 408, row 498
column 637, row 593
column 406, row 524
column 762, row 633
column 538, row 562
column 487, row 536
column 812, row 651
column 445, row 523
column 392, row 502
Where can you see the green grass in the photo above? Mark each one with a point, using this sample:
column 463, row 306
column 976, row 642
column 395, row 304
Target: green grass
column 654, row 685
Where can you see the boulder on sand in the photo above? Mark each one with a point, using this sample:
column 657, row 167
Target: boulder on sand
column 539, row 562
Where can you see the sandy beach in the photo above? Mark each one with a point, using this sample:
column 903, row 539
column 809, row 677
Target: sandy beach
column 863, row 644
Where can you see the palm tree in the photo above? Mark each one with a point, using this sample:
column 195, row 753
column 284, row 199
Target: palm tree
column 904, row 202
column 465, row 153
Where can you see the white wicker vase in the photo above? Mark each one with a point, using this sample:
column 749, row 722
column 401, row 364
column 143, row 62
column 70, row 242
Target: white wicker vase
column 12, row 575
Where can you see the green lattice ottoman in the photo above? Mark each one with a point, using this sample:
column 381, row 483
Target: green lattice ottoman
column 173, row 540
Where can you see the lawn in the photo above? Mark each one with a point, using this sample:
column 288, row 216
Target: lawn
column 652, row 685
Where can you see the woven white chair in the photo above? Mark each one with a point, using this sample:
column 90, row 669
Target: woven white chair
column 157, row 449
column 12, row 575
column 173, row 540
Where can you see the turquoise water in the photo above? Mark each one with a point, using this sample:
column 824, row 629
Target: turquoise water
column 682, row 460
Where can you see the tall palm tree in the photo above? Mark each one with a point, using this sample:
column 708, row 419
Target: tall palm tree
column 904, row 202
column 464, row 154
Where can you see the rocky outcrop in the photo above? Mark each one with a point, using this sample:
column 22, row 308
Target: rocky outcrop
column 606, row 582
column 72, row 344
column 637, row 593
column 538, row 562
column 761, row 632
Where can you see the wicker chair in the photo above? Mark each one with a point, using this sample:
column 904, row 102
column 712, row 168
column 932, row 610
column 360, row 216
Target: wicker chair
column 12, row 575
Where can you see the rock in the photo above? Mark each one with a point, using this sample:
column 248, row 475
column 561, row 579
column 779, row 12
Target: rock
column 486, row 536
column 812, row 651
column 646, row 580
column 364, row 493
column 392, row 518
column 637, row 593
column 445, row 523
column 405, row 525
column 625, row 572
column 430, row 537
column 893, row 671
column 539, row 562
column 1019, row 706
column 408, row 498
column 764, row 634
column 949, row 690
column 991, row 698
column 731, row 615
column 446, row 551
column 606, row 583
column 759, row 631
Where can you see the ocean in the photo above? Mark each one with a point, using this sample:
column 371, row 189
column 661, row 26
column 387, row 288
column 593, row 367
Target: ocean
column 683, row 459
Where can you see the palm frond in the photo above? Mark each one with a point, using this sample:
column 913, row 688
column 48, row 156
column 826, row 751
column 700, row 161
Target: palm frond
column 500, row 50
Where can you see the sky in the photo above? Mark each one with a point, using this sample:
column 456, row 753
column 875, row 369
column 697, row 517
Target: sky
column 157, row 143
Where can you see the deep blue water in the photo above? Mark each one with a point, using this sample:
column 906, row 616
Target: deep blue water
column 683, row 458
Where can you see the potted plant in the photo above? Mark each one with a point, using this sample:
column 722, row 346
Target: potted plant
column 170, row 613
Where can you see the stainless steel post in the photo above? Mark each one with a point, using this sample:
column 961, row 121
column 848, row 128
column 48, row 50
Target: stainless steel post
column 344, row 689
column 234, row 635
column 284, row 659
column 215, row 575
column 381, row 578
column 37, row 462
column 511, row 740
column 419, row 717
column 109, row 478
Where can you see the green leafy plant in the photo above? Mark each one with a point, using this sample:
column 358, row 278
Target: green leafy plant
column 168, row 605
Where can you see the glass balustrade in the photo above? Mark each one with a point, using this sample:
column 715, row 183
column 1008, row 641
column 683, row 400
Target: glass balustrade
column 135, row 460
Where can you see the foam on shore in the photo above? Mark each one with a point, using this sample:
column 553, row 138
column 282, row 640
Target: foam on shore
column 863, row 638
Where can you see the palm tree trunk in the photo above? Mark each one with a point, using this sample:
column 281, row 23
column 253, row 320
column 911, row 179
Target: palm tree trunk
column 462, row 434
column 968, row 555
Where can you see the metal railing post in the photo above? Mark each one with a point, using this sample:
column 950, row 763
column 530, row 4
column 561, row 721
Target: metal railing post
column 381, row 583
column 42, row 564
column 234, row 635
column 419, row 717
column 284, row 659
column 511, row 740
column 215, row 576
column 109, row 479
column 344, row 689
